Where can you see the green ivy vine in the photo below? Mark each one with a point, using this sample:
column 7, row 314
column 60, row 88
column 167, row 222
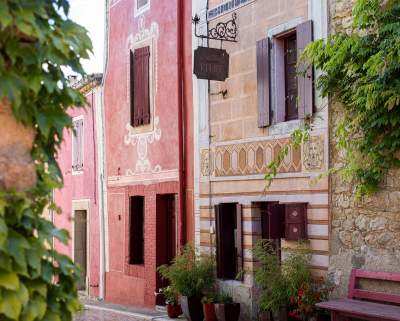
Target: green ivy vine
column 38, row 42
column 361, row 70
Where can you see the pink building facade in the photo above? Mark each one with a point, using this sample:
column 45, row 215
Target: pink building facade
column 79, row 198
column 148, row 144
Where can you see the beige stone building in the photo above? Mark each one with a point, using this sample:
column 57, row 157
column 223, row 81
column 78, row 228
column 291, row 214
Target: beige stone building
column 364, row 234
column 242, row 123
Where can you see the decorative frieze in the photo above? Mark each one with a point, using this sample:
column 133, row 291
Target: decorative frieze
column 313, row 154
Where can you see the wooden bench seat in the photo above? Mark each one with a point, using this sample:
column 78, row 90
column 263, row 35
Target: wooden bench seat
column 362, row 309
column 385, row 306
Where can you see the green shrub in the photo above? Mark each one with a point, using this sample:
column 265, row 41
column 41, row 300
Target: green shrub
column 288, row 284
column 189, row 274
column 269, row 278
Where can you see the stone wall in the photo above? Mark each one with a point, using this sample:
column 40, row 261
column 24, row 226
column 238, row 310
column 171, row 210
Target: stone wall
column 17, row 170
column 364, row 234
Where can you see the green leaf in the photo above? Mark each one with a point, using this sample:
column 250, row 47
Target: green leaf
column 10, row 305
column 35, row 309
column 9, row 280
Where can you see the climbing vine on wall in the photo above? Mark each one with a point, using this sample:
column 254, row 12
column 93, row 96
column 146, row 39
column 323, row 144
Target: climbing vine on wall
column 361, row 70
column 37, row 44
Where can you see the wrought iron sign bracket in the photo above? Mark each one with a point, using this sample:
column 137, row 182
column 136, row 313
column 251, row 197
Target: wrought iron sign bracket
column 223, row 31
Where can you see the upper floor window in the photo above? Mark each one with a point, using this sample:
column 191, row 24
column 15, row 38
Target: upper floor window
column 77, row 145
column 291, row 86
column 140, row 87
column 285, row 88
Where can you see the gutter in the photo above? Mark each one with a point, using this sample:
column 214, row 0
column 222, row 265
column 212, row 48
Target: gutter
column 181, row 121
column 102, row 165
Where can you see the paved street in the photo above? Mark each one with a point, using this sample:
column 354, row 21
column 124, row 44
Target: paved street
column 98, row 311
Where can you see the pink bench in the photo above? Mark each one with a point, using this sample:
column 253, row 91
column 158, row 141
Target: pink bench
column 358, row 304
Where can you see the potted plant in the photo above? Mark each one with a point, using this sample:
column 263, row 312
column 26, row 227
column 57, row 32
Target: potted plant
column 171, row 299
column 288, row 289
column 273, row 297
column 226, row 309
column 209, row 308
column 191, row 276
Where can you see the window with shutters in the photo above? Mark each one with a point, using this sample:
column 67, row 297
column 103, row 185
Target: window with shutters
column 285, row 90
column 136, row 230
column 140, row 86
column 77, row 145
column 229, row 240
column 283, row 221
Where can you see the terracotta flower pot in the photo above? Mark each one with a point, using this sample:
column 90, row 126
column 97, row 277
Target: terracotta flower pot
column 209, row 312
column 192, row 308
column 227, row 312
column 174, row 310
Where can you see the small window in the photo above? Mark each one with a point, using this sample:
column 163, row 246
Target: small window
column 136, row 230
column 140, row 86
column 229, row 240
column 291, row 88
column 77, row 145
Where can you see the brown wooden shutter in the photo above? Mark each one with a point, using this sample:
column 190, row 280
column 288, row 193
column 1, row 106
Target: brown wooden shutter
column 276, row 219
column 263, row 82
column 132, row 87
column 239, row 240
column 304, row 34
column 295, row 221
column 141, row 86
column 219, row 245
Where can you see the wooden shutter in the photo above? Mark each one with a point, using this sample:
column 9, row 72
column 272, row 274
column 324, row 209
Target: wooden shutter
column 80, row 144
column 132, row 88
column 273, row 221
column 263, row 82
column 239, row 240
column 296, row 221
column 141, row 103
column 304, row 34
column 218, row 230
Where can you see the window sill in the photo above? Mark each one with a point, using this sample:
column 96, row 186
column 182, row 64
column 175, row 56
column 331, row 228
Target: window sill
column 77, row 173
column 285, row 128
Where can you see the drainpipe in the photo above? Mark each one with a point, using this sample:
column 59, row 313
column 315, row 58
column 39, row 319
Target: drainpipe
column 101, row 174
column 181, row 121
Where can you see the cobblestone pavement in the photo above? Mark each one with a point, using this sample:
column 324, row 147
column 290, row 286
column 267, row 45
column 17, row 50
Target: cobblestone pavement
column 107, row 312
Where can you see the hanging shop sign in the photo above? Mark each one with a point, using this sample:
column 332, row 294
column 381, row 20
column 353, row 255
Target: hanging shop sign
column 211, row 63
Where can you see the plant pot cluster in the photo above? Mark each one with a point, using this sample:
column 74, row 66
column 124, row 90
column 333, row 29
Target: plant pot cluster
column 192, row 279
column 288, row 290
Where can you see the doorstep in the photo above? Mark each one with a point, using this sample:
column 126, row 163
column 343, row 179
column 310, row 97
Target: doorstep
column 138, row 313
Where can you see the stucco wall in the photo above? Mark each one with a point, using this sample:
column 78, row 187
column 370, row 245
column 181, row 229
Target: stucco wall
column 364, row 234
column 80, row 188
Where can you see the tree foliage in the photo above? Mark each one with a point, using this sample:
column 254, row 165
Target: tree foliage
column 361, row 70
column 38, row 43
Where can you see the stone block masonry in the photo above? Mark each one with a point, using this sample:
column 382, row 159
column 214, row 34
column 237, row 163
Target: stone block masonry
column 364, row 234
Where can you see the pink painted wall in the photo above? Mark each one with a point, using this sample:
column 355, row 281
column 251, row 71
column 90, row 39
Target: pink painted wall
column 130, row 284
column 81, row 187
